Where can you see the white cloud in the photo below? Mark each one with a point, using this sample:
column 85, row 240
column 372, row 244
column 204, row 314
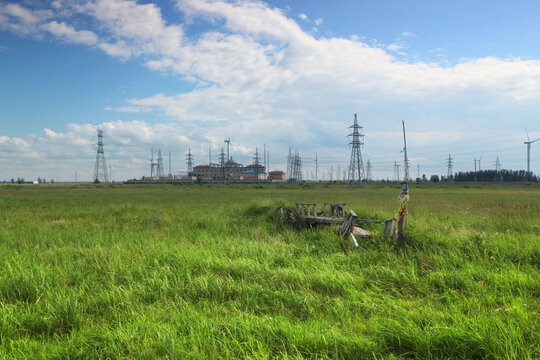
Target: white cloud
column 69, row 33
column 407, row 34
column 129, row 109
column 303, row 16
column 21, row 20
column 119, row 49
column 261, row 77
column 140, row 25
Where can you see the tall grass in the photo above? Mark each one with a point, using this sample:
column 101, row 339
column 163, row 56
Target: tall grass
column 210, row 272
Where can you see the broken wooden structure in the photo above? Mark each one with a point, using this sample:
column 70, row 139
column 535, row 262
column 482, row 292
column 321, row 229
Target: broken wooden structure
column 305, row 214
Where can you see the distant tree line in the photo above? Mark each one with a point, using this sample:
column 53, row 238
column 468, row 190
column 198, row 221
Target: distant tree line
column 486, row 176
column 494, row 175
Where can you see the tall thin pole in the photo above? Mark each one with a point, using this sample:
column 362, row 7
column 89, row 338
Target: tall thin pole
column 228, row 141
column 475, row 178
column 405, row 153
column 316, row 167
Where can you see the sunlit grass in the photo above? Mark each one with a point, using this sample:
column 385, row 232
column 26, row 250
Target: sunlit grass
column 210, row 272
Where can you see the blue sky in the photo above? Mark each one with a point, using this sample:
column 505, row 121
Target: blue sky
column 464, row 75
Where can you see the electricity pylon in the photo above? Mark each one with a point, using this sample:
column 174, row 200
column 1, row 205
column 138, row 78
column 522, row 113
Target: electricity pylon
column 100, row 169
column 356, row 167
column 450, row 164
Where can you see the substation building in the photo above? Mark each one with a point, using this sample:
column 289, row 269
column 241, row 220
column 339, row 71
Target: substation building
column 231, row 171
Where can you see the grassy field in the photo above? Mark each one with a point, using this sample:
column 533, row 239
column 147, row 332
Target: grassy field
column 209, row 272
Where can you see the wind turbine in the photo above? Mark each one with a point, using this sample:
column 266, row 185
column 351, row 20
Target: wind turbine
column 528, row 143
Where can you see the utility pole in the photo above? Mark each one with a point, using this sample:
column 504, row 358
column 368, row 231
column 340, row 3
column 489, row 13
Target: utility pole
column 228, row 141
column 170, row 172
column 405, row 158
column 76, row 176
column 368, row 170
column 331, row 173
column 475, row 177
column 100, row 169
column 356, row 167
column 418, row 168
column 110, row 173
column 316, row 167
column 449, row 163
column 152, row 162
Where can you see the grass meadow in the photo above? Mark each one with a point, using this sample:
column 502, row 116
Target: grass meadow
column 210, row 272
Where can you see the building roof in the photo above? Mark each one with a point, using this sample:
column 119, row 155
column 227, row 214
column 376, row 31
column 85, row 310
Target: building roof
column 276, row 172
column 232, row 163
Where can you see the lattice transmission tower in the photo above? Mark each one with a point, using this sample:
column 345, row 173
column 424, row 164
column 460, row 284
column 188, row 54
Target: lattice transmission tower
column 160, row 171
column 189, row 162
column 294, row 165
column 356, row 167
column 396, row 171
column 100, row 170
column 290, row 165
column 450, row 164
column 297, row 164
column 498, row 175
column 257, row 163
column 222, row 164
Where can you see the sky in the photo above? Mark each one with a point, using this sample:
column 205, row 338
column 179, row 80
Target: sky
column 187, row 74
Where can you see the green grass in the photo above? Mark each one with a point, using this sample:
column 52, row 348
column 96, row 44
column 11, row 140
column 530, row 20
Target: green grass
column 209, row 272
